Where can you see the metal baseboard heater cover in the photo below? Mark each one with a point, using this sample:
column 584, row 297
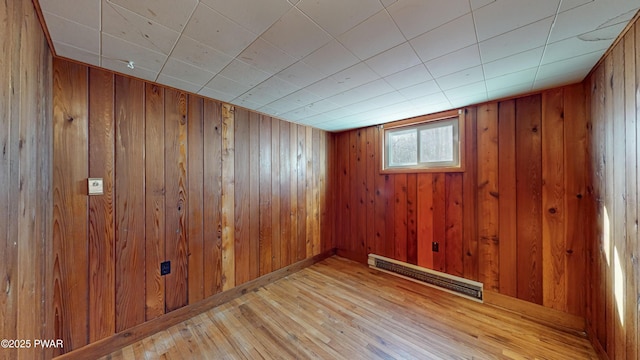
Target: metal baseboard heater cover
column 452, row 284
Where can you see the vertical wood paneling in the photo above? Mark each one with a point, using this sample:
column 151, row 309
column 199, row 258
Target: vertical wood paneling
column 359, row 195
column 412, row 225
column 328, row 190
column 453, row 217
column 285, row 194
column 228, row 199
column 529, row 198
column 242, row 193
column 195, row 214
column 275, row 197
column 425, row 220
column 488, row 205
column 266, row 226
column 370, row 188
column 301, row 237
column 293, row 193
column 154, row 201
column 553, row 195
column 469, row 195
column 176, row 206
column 315, row 191
column 309, row 187
column 508, row 203
column 130, row 200
column 254, row 195
column 101, row 211
column 381, row 201
column 212, row 211
column 400, row 213
column 343, row 215
column 439, row 221
column 70, row 158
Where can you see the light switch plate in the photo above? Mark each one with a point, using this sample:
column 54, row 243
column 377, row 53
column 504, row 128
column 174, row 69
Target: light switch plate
column 95, row 186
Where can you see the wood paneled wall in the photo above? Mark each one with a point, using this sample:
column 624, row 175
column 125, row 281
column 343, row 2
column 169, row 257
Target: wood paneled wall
column 25, row 180
column 513, row 220
column 614, row 291
column 225, row 194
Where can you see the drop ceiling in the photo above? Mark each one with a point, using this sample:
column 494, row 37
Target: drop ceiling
column 336, row 64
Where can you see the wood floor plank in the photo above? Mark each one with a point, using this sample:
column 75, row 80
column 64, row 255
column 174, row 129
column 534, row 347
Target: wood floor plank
column 341, row 309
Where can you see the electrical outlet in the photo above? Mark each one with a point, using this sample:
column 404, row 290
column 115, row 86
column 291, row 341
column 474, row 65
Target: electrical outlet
column 435, row 247
column 165, row 268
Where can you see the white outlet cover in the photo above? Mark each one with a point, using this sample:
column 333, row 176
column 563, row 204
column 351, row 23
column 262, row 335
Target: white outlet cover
column 95, row 186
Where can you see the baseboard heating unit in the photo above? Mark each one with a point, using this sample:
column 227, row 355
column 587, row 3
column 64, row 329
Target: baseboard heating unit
column 453, row 284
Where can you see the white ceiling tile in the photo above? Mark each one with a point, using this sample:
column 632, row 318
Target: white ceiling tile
column 362, row 92
column 73, row 33
column 216, row 94
column 164, row 12
column 300, row 74
column 411, row 76
column 562, row 78
column 430, row 100
column 269, row 90
column 300, row 98
column 475, row 89
column 337, row 16
column 296, row 34
column 399, row 58
column 245, row 103
column 570, row 4
column 509, row 91
column 388, row 3
column 256, row 16
column 380, row 27
column 456, row 61
column 453, row 36
column 592, row 16
column 215, row 30
column 382, row 101
column 85, row 12
column 178, row 83
column 415, row 17
column 121, row 67
column 577, row 64
column 282, row 106
column 503, row 16
column 323, row 88
column 74, row 53
column 266, row 57
column 200, row 55
column 185, row 72
column 597, row 40
column 129, row 26
column 244, row 74
column 516, row 41
column 510, row 64
column 517, row 78
column 122, row 51
column 331, row 58
column 322, row 106
column 225, row 85
column 300, row 113
column 420, row 90
column 354, row 76
column 469, row 100
column 461, row 78
column 477, row 4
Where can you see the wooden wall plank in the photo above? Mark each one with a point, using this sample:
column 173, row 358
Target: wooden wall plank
column 70, row 171
column 285, row 194
column 328, row 191
column 242, row 193
column 266, row 228
column 453, row 222
column 425, row 220
column 469, row 193
column 130, row 200
column 608, row 210
column 212, row 211
column 507, row 202
column 575, row 163
column 343, row 215
column 381, row 200
column 400, row 213
column 371, row 167
column 301, row 238
column 488, row 205
column 276, row 262
column 529, row 198
column 154, row 201
column 359, row 195
column 176, row 205
column 254, row 195
column 412, row 225
column 101, row 208
column 293, row 193
column 309, row 190
column 553, row 195
column 228, row 199
column 439, row 221
column 195, row 205
column 315, row 190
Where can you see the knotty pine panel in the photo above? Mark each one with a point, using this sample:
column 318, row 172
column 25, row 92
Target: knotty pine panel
column 488, row 220
column 225, row 194
column 612, row 193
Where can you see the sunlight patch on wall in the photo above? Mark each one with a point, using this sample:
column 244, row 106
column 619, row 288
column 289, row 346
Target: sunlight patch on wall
column 618, row 284
column 606, row 240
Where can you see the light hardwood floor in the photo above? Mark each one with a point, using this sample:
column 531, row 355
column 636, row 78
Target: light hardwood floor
column 339, row 309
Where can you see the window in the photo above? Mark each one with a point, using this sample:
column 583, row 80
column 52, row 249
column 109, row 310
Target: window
column 424, row 144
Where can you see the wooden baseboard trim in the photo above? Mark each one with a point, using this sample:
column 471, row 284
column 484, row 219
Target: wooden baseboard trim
column 550, row 317
column 352, row 255
column 117, row 341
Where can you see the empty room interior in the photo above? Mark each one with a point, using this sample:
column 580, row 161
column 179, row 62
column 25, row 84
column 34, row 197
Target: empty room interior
column 304, row 179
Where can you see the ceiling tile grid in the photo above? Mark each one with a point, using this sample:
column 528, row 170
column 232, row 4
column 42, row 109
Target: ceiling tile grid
column 338, row 65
